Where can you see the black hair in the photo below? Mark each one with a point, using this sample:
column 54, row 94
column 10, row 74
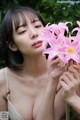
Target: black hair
column 14, row 59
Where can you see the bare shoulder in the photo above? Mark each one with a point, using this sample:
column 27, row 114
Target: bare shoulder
column 2, row 76
column 3, row 90
column 2, row 80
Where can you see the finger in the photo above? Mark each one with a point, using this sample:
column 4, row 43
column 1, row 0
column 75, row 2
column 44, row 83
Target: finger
column 55, row 57
column 55, row 61
column 70, row 62
column 77, row 67
column 56, row 72
column 74, row 62
column 70, row 77
column 75, row 73
column 66, row 80
column 74, row 66
column 64, row 85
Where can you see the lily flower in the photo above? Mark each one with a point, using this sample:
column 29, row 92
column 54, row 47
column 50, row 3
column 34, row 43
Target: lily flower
column 77, row 29
column 77, row 37
column 70, row 50
column 45, row 36
column 55, row 46
column 59, row 28
column 65, row 48
column 51, row 32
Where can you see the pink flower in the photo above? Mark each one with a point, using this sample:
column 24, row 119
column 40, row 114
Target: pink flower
column 45, row 36
column 55, row 46
column 70, row 50
column 78, row 22
column 77, row 29
column 51, row 32
column 77, row 37
column 60, row 28
column 66, row 47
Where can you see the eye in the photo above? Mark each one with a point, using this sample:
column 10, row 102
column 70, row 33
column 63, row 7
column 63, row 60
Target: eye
column 22, row 29
column 37, row 26
column 21, row 32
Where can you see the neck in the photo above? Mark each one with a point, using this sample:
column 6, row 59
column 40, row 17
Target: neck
column 36, row 65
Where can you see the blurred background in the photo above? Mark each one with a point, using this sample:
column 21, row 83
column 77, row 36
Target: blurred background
column 52, row 11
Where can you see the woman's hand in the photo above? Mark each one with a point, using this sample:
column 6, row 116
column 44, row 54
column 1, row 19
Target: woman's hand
column 55, row 70
column 70, row 81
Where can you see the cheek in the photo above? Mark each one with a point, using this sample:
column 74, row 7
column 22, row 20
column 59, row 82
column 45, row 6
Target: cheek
column 21, row 40
column 23, row 45
column 41, row 29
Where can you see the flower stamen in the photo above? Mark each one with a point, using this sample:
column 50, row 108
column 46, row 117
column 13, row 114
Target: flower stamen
column 70, row 50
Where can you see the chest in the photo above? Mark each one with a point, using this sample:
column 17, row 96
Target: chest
column 27, row 98
column 28, row 107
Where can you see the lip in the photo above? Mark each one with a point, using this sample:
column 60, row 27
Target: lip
column 37, row 44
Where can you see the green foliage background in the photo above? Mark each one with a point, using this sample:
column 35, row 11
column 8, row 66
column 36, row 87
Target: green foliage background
column 52, row 11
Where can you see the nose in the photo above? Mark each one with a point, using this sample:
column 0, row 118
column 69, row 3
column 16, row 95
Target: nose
column 33, row 33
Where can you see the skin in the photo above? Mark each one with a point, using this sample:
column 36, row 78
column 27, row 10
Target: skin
column 35, row 95
column 70, row 82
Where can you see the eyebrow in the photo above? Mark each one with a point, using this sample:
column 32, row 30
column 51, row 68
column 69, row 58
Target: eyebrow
column 35, row 20
column 23, row 25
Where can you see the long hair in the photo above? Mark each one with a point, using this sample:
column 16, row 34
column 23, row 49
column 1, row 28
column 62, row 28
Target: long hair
column 14, row 59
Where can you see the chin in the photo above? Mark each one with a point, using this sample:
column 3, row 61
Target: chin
column 38, row 51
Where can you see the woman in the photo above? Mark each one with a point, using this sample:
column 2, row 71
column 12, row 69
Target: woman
column 28, row 84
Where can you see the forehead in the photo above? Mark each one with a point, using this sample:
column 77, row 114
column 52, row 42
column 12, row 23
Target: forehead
column 23, row 18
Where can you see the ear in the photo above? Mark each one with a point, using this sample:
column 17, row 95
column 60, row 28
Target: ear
column 12, row 46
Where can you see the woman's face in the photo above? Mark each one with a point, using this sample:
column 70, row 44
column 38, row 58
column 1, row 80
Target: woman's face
column 26, row 35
